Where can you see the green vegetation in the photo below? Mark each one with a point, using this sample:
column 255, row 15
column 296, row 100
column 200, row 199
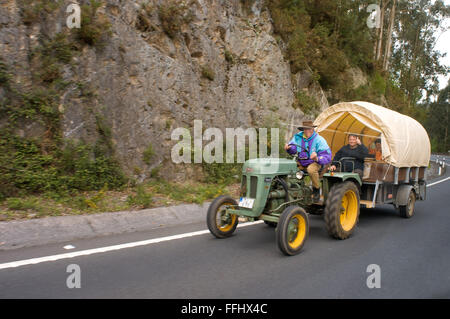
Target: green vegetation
column 142, row 198
column 188, row 193
column 32, row 10
column 208, row 72
column 50, row 56
column 173, row 14
column 143, row 19
column 80, row 171
column 5, row 76
column 438, row 121
column 59, row 48
column 229, row 57
column 222, row 173
column 398, row 59
column 154, row 193
column 43, row 162
column 148, row 154
column 14, row 203
column 94, row 26
column 306, row 103
column 154, row 173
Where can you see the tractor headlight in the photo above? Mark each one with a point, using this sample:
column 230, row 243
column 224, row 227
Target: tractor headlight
column 299, row 175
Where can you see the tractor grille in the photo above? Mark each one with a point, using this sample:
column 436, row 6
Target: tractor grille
column 244, row 186
column 253, row 186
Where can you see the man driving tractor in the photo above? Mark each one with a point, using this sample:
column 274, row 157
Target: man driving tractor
column 314, row 153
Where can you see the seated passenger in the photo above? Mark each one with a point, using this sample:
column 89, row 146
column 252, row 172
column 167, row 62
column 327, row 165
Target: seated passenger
column 354, row 149
column 376, row 149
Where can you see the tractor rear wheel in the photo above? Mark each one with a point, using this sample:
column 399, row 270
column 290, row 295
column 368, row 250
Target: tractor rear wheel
column 292, row 230
column 220, row 223
column 342, row 210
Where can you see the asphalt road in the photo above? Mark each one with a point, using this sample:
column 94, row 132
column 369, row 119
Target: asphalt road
column 413, row 256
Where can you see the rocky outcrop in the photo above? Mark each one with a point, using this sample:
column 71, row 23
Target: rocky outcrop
column 222, row 66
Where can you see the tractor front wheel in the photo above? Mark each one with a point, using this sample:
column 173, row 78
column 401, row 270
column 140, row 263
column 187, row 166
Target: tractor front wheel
column 220, row 223
column 292, row 230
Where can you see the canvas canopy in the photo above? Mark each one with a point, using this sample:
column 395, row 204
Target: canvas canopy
column 404, row 141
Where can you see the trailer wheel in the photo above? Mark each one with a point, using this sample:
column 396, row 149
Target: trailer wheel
column 220, row 223
column 292, row 230
column 407, row 211
column 342, row 210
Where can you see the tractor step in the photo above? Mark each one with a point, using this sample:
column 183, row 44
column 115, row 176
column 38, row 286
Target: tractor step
column 368, row 203
column 321, row 201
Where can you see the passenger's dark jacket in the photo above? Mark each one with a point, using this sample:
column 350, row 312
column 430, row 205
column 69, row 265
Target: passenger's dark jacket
column 359, row 153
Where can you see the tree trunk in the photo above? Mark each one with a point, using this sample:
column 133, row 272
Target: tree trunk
column 411, row 84
column 387, row 55
column 379, row 44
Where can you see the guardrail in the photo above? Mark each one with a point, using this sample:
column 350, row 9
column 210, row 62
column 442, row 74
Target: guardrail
column 437, row 167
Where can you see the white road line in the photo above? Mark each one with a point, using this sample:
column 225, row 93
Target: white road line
column 39, row 260
column 442, row 180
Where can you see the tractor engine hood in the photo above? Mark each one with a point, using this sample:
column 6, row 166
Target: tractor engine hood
column 269, row 166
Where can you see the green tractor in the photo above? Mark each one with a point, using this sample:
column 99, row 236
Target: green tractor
column 276, row 191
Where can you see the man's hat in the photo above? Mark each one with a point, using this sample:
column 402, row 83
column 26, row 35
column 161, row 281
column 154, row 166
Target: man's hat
column 307, row 124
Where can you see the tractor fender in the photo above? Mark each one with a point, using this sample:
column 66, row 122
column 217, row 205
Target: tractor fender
column 401, row 199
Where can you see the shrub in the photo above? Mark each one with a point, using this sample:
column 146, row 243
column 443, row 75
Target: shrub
column 172, row 15
column 143, row 22
column 142, row 198
column 208, row 72
column 22, row 203
column 148, row 154
column 50, row 55
column 306, row 103
column 229, row 57
column 154, row 173
column 93, row 26
column 59, row 47
column 4, row 74
column 378, row 84
column 31, row 10
column 80, row 170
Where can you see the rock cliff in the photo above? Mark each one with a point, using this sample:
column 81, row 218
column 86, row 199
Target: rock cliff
column 156, row 68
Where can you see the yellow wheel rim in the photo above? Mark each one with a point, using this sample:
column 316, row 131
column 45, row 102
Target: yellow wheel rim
column 224, row 221
column 349, row 210
column 296, row 231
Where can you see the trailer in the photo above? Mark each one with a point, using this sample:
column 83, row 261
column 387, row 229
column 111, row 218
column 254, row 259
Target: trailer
column 398, row 178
